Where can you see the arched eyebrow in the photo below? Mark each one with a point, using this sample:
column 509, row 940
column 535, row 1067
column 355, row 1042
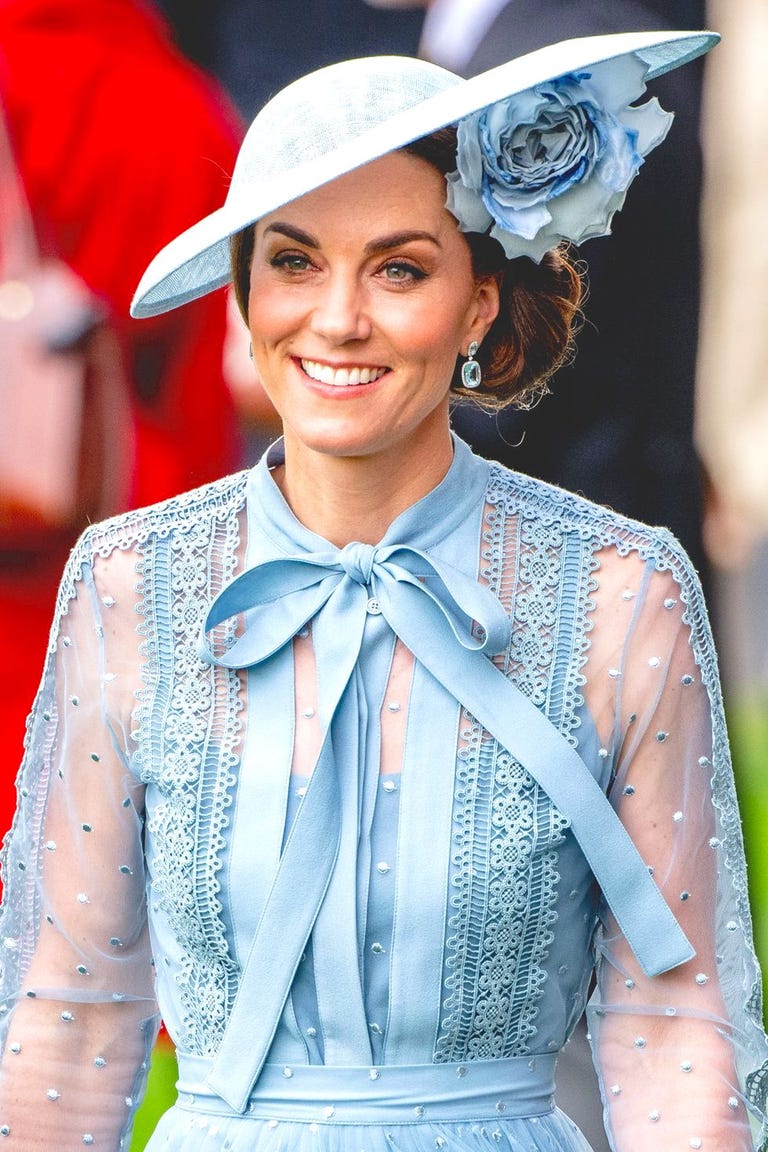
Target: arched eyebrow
column 380, row 244
column 396, row 239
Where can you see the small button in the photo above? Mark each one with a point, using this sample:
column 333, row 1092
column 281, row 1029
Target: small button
column 373, row 607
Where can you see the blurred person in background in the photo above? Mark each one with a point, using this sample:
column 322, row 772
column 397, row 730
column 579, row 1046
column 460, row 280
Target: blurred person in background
column 732, row 401
column 119, row 143
column 243, row 42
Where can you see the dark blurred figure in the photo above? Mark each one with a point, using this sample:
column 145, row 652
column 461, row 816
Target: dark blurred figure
column 618, row 425
column 256, row 47
column 120, row 144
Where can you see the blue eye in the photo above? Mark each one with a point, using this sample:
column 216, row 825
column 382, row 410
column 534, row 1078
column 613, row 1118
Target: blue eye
column 400, row 272
column 292, row 261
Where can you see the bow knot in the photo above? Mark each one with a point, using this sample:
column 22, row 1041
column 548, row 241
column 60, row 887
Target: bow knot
column 357, row 561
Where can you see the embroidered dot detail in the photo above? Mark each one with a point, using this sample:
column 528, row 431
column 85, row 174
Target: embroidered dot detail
column 389, row 786
column 311, row 1032
column 629, row 790
column 377, row 949
column 640, row 1042
column 686, row 680
column 733, row 1103
column 308, row 713
column 662, row 736
column 374, row 1074
column 52, row 1094
column 5, row 1130
column 603, row 753
column 82, row 898
column 382, row 867
column 685, row 896
column 615, row 1090
column 87, row 1138
column 677, row 817
column 614, row 673
column 393, row 707
column 695, row 1142
column 67, row 1017
column 704, row 762
column 731, row 925
column 629, row 983
column 16, row 1048
column 418, row 1111
column 654, row 662
column 654, row 1116
column 701, row 978
column 287, row 1072
column 100, row 1062
column 714, row 842
column 686, row 1066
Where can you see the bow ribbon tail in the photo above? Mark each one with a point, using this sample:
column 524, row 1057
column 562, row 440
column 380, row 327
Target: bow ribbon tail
column 294, row 900
column 650, row 928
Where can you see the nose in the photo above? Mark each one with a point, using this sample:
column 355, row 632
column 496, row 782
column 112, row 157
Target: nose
column 340, row 314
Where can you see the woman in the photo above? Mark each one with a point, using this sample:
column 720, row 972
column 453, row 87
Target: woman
column 349, row 720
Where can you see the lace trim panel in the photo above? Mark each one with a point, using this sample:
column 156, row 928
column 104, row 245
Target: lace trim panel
column 189, row 727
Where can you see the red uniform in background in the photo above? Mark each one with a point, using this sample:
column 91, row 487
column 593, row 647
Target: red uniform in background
column 121, row 144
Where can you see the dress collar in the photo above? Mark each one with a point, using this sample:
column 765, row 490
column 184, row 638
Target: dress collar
column 427, row 523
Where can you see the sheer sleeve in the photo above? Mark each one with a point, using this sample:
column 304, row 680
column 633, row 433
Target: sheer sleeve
column 681, row 1057
column 78, row 1009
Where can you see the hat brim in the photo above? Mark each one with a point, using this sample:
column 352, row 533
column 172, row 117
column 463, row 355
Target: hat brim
column 197, row 261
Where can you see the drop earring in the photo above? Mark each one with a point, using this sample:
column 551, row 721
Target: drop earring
column 250, row 351
column 471, row 372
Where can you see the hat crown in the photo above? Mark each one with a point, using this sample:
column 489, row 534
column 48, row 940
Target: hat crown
column 331, row 108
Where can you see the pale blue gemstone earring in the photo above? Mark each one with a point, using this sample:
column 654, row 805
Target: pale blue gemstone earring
column 471, row 372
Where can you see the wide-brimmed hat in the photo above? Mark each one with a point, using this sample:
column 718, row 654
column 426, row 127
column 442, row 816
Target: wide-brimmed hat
column 338, row 118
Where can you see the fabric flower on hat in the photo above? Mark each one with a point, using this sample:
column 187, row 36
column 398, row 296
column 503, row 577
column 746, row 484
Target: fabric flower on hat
column 554, row 162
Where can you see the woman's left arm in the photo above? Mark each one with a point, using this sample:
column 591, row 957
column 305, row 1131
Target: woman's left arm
column 682, row 1056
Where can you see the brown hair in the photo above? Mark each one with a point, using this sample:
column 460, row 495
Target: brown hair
column 539, row 310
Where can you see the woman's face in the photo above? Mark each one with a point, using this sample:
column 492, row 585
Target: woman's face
column 361, row 298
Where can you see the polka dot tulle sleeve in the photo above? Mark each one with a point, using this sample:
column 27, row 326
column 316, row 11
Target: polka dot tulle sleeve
column 673, row 1050
column 78, row 1007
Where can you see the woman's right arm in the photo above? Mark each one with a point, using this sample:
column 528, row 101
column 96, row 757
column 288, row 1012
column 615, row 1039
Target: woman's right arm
column 78, row 1008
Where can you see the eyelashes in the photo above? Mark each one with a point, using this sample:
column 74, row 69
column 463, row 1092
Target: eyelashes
column 395, row 272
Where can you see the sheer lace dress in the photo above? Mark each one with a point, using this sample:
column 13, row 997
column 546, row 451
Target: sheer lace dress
column 461, row 926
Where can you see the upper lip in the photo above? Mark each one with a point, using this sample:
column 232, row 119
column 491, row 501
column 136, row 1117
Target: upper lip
column 337, row 364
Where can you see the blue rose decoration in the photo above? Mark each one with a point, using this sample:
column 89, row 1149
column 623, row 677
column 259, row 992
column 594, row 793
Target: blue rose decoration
column 554, row 162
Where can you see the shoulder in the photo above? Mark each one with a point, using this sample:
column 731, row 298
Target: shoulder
column 198, row 511
column 558, row 515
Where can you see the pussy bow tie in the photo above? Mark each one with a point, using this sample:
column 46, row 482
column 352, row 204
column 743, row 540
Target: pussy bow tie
column 452, row 624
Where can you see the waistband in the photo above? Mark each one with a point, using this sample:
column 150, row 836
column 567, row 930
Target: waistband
column 512, row 1088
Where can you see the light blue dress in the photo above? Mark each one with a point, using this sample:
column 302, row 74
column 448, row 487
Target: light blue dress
column 307, row 801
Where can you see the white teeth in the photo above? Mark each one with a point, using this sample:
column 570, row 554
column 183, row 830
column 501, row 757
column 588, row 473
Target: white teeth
column 341, row 377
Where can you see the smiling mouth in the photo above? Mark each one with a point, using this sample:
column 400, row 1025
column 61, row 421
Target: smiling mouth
column 341, row 377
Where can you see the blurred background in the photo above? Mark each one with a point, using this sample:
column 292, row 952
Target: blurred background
column 119, row 124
